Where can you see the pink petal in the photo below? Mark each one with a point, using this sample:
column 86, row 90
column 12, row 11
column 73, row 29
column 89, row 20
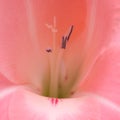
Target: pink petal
column 4, row 83
column 103, row 79
column 98, row 32
column 25, row 105
column 104, row 74
column 99, row 71
column 19, row 48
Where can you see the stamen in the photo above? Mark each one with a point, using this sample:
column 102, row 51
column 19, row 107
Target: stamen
column 56, row 60
column 65, row 39
column 48, row 50
column 53, row 88
column 54, row 31
column 70, row 32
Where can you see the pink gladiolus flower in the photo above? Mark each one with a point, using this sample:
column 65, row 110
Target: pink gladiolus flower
column 59, row 60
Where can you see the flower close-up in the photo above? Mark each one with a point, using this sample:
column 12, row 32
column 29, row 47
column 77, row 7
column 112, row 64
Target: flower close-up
column 59, row 60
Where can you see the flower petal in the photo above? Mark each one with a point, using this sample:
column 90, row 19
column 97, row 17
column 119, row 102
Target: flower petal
column 95, row 40
column 19, row 49
column 32, row 106
column 104, row 77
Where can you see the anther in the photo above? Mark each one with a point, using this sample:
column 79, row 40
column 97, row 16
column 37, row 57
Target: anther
column 48, row 50
column 70, row 32
column 65, row 39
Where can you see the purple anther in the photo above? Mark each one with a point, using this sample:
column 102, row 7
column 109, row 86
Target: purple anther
column 48, row 50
